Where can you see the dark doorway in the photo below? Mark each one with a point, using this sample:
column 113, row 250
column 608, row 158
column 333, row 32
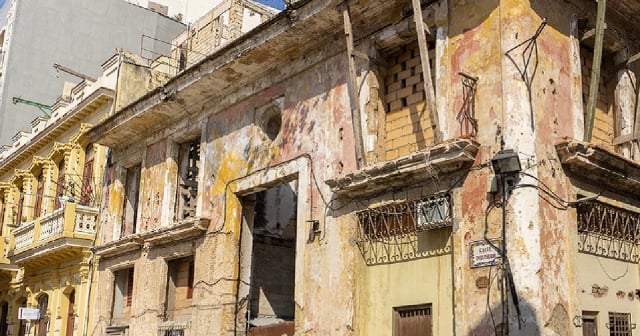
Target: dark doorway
column 43, row 322
column 23, row 323
column 3, row 318
column 270, row 246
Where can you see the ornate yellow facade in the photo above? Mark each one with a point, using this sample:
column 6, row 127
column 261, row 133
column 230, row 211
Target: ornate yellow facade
column 50, row 182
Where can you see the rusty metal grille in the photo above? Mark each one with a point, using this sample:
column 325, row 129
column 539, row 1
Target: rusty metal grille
column 173, row 329
column 619, row 324
column 405, row 218
column 608, row 231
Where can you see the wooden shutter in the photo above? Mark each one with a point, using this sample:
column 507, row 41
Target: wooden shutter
column 2, row 208
column 589, row 327
column 71, row 314
column 413, row 321
column 87, row 192
column 43, row 322
column 20, row 205
column 60, row 183
column 39, row 195
column 190, row 280
column 129, row 296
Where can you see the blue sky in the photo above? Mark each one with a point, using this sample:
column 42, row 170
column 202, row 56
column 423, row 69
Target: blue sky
column 277, row 4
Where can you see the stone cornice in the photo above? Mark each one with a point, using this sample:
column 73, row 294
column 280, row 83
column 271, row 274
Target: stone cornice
column 189, row 228
column 599, row 166
column 441, row 159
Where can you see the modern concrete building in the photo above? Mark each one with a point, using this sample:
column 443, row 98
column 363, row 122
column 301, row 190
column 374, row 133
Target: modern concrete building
column 187, row 11
column 74, row 34
column 383, row 168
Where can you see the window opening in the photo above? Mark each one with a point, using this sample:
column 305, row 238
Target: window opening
column 271, row 216
column 179, row 288
column 123, row 293
column 22, row 330
column 2, row 209
column 87, row 193
column 3, row 318
column 589, row 324
column 19, row 219
column 43, row 322
column 131, row 194
column 71, row 314
column 412, row 321
column 619, row 324
column 60, row 183
column 39, row 195
column 189, row 165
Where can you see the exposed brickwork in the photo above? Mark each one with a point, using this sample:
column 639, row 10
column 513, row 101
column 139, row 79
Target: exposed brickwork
column 407, row 125
column 604, row 122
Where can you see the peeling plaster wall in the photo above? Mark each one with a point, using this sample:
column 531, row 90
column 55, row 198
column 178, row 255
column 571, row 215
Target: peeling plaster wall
column 238, row 158
column 315, row 128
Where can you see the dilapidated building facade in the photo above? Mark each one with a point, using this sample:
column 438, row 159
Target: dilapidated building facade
column 383, row 168
column 50, row 187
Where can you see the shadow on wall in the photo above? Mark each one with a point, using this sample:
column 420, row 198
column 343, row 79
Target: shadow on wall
column 492, row 323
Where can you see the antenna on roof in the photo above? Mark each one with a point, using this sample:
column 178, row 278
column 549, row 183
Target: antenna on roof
column 72, row 72
column 42, row 107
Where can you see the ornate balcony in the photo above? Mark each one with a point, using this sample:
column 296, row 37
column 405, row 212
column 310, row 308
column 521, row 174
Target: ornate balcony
column 58, row 236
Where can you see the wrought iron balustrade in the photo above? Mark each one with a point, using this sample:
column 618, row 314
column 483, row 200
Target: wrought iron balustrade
column 408, row 217
column 608, row 231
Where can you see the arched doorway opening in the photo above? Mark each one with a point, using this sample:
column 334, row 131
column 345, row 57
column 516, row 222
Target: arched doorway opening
column 4, row 312
column 23, row 323
column 71, row 314
column 43, row 322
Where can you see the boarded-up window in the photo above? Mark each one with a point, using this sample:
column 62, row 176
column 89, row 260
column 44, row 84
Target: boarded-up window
column 87, row 192
column 619, row 324
column 407, row 125
column 189, row 166
column 412, row 321
column 130, row 211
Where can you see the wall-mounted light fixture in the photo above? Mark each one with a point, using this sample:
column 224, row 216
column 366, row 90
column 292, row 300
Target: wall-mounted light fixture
column 314, row 230
column 506, row 162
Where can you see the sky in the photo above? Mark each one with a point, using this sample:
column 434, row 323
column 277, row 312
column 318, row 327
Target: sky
column 277, row 4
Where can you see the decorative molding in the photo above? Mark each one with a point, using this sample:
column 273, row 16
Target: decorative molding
column 599, row 166
column 441, row 159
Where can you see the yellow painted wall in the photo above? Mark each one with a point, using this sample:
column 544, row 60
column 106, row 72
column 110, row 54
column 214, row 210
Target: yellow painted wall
column 426, row 280
column 617, row 276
